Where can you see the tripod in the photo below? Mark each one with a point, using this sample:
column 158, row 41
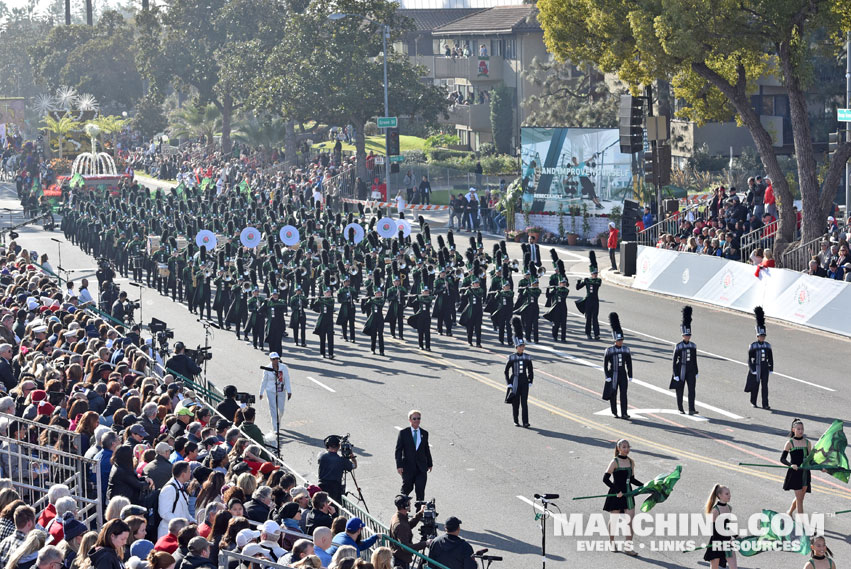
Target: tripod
column 359, row 495
column 544, row 516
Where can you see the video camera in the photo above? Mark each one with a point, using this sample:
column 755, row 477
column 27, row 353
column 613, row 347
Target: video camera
column 428, row 525
column 199, row 355
column 246, row 398
column 162, row 333
column 346, row 447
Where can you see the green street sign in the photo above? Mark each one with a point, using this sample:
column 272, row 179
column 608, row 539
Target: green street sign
column 390, row 122
column 842, row 115
column 397, row 159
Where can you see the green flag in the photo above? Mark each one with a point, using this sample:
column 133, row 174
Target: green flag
column 828, row 453
column 659, row 489
column 180, row 190
column 243, row 187
column 753, row 545
column 204, row 183
column 77, row 181
column 36, row 188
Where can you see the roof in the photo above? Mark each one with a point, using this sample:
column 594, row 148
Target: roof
column 496, row 20
column 428, row 20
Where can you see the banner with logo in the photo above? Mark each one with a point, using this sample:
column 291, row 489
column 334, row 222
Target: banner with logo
column 727, row 285
column 649, row 264
column 805, row 298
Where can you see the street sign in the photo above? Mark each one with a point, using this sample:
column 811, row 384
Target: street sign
column 397, row 159
column 842, row 115
column 390, row 122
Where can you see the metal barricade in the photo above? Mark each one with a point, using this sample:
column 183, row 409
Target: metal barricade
column 758, row 238
column 798, row 259
column 34, row 468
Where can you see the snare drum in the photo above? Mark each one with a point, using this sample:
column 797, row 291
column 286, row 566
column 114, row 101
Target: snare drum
column 162, row 270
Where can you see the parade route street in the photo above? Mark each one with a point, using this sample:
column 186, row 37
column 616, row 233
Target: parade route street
column 486, row 470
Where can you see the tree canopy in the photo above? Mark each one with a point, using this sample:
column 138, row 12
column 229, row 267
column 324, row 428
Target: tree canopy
column 713, row 51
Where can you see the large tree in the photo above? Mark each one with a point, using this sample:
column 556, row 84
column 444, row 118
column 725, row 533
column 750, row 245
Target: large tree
column 712, row 51
column 93, row 59
column 331, row 70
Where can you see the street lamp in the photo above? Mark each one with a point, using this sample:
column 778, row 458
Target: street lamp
column 385, row 33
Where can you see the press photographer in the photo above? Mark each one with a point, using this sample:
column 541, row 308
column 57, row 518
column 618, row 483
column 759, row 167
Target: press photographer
column 181, row 363
column 122, row 309
column 333, row 466
column 105, row 272
column 402, row 530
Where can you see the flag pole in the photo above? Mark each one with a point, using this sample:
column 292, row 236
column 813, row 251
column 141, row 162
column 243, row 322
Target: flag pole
column 763, row 465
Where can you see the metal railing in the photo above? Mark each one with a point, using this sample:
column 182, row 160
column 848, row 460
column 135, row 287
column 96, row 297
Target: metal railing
column 670, row 225
column 33, row 468
column 798, row 259
column 227, row 557
column 758, row 238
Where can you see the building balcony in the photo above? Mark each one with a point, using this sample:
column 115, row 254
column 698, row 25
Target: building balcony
column 469, row 68
column 470, row 117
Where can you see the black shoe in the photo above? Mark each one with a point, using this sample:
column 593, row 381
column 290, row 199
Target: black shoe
column 331, row 357
column 755, row 406
column 682, row 412
column 373, row 352
column 692, row 412
column 303, row 345
column 478, row 345
column 588, row 336
column 526, row 425
column 625, row 416
column 766, row 407
column 382, row 353
column 516, row 424
column 615, row 415
column 596, row 337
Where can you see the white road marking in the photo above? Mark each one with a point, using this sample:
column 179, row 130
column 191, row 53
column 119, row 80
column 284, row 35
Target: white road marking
column 811, row 384
column 531, row 503
column 320, row 384
column 397, row 427
column 635, row 381
column 640, row 412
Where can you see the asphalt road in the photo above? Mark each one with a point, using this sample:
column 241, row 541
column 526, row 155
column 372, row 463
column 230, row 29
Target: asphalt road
column 486, row 470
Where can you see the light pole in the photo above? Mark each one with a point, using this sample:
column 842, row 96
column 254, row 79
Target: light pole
column 385, row 33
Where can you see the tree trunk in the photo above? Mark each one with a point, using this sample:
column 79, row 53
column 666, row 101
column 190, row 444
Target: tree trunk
column 145, row 5
column 360, row 150
column 290, row 145
column 89, row 13
column 67, row 12
column 741, row 102
column 227, row 116
column 60, row 146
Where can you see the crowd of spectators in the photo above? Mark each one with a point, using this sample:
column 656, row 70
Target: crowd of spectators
column 475, row 211
column 178, row 483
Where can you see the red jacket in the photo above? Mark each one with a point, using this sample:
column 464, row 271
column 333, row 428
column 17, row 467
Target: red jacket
column 613, row 238
column 167, row 543
column 46, row 515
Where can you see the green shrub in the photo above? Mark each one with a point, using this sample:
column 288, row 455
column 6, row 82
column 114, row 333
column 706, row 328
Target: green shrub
column 445, row 154
column 371, row 129
column 487, row 149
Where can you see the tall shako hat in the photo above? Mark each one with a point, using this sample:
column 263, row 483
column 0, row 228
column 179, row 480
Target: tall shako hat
column 759, row 313
column 615, row 322
column 686, row 325
column 517, row 325
column 592, row 257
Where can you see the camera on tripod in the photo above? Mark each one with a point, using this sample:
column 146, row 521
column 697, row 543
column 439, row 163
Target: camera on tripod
column 346, row 447
column 199, row 355
column 428, row 525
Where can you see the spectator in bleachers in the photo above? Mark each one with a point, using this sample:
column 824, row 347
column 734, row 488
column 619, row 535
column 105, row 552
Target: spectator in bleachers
column 173, row 501
column 257, row 508
column 168, row 542
column 108, row 551
column 24, row 523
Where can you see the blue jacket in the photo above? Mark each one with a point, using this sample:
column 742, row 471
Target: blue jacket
column 343, row 538
column 104, row 458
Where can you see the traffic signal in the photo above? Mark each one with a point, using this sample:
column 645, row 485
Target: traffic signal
column 394, row 168
column 834, row 139
column 630, row 123
column 392, row 135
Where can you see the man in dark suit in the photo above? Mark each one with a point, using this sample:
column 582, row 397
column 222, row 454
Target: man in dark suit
column 7, row 374
column 413, row 456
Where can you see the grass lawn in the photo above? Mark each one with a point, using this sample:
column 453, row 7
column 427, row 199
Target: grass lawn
column 376, row 144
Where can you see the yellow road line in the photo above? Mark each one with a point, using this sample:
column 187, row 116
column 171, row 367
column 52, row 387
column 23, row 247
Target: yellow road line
column 647, row 442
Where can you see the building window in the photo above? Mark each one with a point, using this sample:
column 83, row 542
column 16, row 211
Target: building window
column 510, row 50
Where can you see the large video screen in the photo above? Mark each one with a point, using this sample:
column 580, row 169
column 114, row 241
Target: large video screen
column 569, row 166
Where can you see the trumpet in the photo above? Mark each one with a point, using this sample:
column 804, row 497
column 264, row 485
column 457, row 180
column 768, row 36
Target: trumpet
column 541, row 270
column 515, row 265
column 246, row 287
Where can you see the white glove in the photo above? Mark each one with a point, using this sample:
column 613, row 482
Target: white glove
column 608, row 379
column 695, row 377
column 676, row 378
column 629, row 379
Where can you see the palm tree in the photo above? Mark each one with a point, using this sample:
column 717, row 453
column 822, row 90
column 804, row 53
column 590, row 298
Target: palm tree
column 266, row 132
column 89, row 13
column 110, row 124
column 67, row 12
column 195, row 121
column 60, row 128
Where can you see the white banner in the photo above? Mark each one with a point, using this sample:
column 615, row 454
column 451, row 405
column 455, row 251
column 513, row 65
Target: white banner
column 728, row 284
column 649, row 264
column 804, row 298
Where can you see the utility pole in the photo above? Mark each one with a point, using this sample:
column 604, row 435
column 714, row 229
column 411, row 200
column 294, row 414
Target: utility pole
column 648, row 92
column 385, row 31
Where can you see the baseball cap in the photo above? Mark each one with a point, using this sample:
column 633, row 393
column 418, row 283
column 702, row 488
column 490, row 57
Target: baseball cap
column 271, row 526
column 253, row 549
column 452, row 524
column 163, row 448
column 246, row 536
column 186, row 411
column 138, row 429
column 354, row 524
column 274, row 356
column 268, row 467
column 299, row 492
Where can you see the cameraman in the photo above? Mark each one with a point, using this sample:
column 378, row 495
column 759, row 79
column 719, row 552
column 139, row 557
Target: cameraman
column 181, row 363
column 402, row 530
column 230, row 405
column 105, row 273
column 122, row 309
column 450, row 549
column 332, row 466
column 108, row 295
